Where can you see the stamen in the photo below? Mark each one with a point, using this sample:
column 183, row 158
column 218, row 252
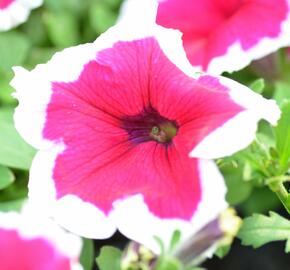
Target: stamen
column 164, row 133
column 150, row 125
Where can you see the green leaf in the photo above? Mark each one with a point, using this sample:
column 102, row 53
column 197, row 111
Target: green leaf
column 175, row 239
column 258, row 86
column 109, row 258
column 238, row 190
column 63, row 28
column 282, row 132
column 87, row 256
column 14, row 205
column 259, row 230
column 261, row 201
column 168, row 263
column 6, row 177
column 222, row 251
column 13, row 49
column 14, row 152
column 160, row 244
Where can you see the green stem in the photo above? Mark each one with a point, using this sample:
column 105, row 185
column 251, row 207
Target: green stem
column 281, row 193
column 275, row 179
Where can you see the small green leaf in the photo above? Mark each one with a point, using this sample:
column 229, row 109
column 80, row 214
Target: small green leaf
column 282, row 132
column 6, row 177
column 222, row 251
column 13, row 49
column 109, row 258
column 175, row 239
column 258, row 86
column 160, row 243
column 14, row 152
column 258, row 230
column 87, row 256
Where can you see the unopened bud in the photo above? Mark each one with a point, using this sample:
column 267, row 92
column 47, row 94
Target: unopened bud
column 203, row 244
column 137, row 257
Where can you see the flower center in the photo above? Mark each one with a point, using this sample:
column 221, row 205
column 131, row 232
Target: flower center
column 163, row 133
column 149, row 126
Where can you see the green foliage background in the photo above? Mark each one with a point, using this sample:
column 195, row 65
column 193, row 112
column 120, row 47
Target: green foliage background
column 253, row 176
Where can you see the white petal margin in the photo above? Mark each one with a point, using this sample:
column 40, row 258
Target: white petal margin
column 33, row 88
column 17, row 13
column 236, row 58
column 70, row 211
column 136, row 11
column 30, row 226
column 134, row 220
column 130, row 216
column 238, row 132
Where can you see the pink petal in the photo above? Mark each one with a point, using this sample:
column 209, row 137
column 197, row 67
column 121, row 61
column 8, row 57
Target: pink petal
column 5, row 3
column 232, row 32
column 93, row 158
column 30, row 254
column 100, row 164
column 34, row 244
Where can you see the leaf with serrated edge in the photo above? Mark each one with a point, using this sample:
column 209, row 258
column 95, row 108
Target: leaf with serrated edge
column 258, row 230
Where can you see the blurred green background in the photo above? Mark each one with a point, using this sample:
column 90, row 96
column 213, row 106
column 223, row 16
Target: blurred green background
column 62, row 23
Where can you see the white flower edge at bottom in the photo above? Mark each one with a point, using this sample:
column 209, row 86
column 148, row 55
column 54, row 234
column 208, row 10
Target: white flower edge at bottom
column 130, row 216
column 30, row 225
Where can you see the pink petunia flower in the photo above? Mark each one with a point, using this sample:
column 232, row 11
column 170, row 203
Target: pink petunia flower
column 120, row 125
column 28, row 243
column 220, row 35
column 15, row 12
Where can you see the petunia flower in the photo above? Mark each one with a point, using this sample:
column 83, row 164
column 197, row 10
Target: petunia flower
column 30, row 243
column 15, row 12
column 220, row 35
column 124, row 128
